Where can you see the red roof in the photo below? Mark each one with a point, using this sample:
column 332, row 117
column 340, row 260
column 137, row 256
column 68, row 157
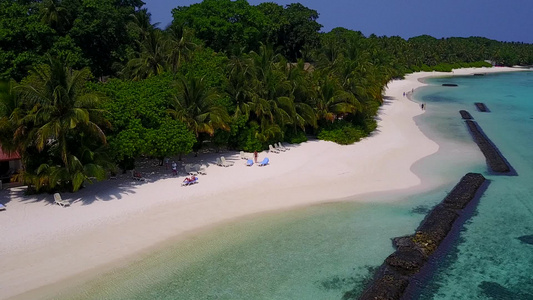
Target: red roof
column 8, row 157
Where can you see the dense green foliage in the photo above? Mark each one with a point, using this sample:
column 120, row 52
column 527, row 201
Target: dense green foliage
column 90, row 33
column 141, row 126
column 225, row 74
column 55, row 125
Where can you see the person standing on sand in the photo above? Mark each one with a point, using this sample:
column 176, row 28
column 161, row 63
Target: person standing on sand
column 174, row 168
column 255, row 156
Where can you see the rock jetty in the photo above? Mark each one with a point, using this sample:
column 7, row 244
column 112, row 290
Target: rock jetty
column 413, row 251
column 465, row 115
column 495, row 160
column 481, row 107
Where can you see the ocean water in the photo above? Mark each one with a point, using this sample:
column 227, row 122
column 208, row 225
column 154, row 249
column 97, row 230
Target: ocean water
column 326, row 251
column 489, row 260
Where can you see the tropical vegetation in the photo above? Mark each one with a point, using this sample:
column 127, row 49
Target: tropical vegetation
column 89, row 86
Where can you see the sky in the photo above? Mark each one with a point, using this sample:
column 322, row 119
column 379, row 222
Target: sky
column 502, row 20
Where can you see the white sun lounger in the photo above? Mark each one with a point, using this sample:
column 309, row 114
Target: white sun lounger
column 272, row 149
column 59, row 201
column 190, row 170
column 199, row 169
column 277, row 147
column 283, row 147
column 225, row 163
column 244, row 155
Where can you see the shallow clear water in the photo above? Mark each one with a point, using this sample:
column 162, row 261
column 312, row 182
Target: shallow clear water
column 324, row 251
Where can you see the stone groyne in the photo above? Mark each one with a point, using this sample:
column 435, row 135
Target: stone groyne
column 481, row 107
column 413, row 251
column 465, row 115
column 495, row 160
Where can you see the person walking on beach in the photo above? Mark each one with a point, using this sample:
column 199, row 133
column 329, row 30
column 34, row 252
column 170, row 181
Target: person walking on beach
column 255, row 156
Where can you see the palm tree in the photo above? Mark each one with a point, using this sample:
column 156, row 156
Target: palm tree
column 240, row 76
column 333, row 101
column 142, row 24
column 60, row 115
column 150, row 61
column 194, row 104
column 53, row 14
column 270, row 102
column 178, row 45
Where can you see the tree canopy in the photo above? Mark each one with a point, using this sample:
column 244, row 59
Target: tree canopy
column 86, row 85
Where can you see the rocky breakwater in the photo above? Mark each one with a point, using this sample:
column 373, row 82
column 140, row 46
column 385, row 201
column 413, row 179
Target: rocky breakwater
column 495, row 160
column 481, row 107
column 465, row 115
column 413, row 251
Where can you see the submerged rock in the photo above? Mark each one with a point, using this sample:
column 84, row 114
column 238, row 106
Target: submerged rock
column 527, row 239
column 494, row 290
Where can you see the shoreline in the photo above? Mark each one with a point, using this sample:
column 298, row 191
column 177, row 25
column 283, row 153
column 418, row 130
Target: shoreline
column 115, row 220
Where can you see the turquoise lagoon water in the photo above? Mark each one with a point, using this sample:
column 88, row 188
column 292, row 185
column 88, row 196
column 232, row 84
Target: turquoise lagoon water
column 325, row 251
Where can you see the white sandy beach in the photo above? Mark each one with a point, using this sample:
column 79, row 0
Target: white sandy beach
column 42, row 243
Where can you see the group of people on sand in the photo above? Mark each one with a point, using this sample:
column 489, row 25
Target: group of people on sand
column 174, row 168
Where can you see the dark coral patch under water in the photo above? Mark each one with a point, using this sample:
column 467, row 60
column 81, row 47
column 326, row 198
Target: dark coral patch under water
column 527, row 239
column 496, row 291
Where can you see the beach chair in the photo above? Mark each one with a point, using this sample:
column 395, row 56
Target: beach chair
column 59, row 201
column 283, row 147
column 188, row 182
column 219, row 162
column 244, row 156
column 225, row 163
column 249, row 163
column 264, row 162
column 190, row 170
column 272, row 149
column 137, row 176
column 199, row 169
column 2, row 207
column 279, row 148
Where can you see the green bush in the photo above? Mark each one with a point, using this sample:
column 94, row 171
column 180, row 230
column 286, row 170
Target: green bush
column 369, row 126
column 247, row 138
column 341, row 132
column 295, row 136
